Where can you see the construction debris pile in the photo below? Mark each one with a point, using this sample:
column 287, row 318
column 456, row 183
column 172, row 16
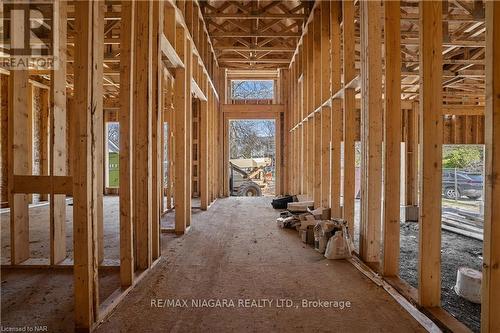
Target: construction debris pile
column 329, row 236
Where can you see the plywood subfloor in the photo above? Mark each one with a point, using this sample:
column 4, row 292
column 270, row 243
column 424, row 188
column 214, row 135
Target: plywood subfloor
column 235, row 251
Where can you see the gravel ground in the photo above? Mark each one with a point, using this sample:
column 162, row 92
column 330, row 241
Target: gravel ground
column 456, row 251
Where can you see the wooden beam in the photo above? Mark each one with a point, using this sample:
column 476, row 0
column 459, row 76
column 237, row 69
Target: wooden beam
column 84, row 166
column 371, row 131
column 19, row 107
column 265, row 34
column 203, row 167
column 60, row 185
column 257, row 61
column 58, row 137
column 142, row 151
column 392, row 139
column 279, row 49
column 240, row 16
column 4, row 140
column 310, row 107
column 490, row 305
column 315, row 27
column 188, row 60
column 336, row 118
column 45, row 137
column 431, row 137
column 125, row 117
column 259, row 108
column 169, row 53
column 179, row 128
column 411, row 161
column 18, row 162
column 349, row 121
column 156, row 128
column 326, row 112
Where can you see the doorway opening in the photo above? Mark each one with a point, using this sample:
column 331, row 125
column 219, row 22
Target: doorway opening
column 252, row 157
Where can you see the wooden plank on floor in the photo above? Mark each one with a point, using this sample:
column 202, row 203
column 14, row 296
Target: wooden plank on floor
column 490, row 307
column 431, row 137
column 371, row 129
column 125, row 117
column 392, row 139
column 142, row 138
column 58, row 137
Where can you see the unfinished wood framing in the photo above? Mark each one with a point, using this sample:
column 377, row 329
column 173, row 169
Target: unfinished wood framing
column 431, row 139
column 490, row 321
column 336, row 118
column 392, row 139
column 87, row 96
column 371, row 131
column 403, row 86
column 179, row 128
column 126, row 134
column 18, row 163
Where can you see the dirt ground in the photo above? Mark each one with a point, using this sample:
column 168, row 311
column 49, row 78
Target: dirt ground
column 235, row 252
column 456, row 251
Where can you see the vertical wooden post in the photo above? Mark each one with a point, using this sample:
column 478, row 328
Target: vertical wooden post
column 431, row 137
column 490, row 320
column 392, row 139
column 371, row 129
column 336, row 126
column 125, row 117
column 98, row 120
column 29, row 134
column 203, row 165
column 170, row 142
column 142, row 139
column 188, row 62
column 18, row 156
column 4, row 143
column 58, row 137
column 88, row 95
column 316, row 82
column 179, row 129
column 411, row 147
column 326, row 112
column 350, row 124
column 156, row 127
column 44, row 137
column 310, row 108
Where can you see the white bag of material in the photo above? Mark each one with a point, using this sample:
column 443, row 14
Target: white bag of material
column 337, row 247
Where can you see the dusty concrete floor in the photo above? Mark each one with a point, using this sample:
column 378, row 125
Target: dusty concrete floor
column 39, row 231
column 40, row 297
column 235, row 251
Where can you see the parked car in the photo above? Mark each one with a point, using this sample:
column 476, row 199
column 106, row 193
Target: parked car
column 468, row 184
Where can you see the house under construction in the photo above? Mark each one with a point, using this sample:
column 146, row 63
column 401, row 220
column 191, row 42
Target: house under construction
column 117, row 212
